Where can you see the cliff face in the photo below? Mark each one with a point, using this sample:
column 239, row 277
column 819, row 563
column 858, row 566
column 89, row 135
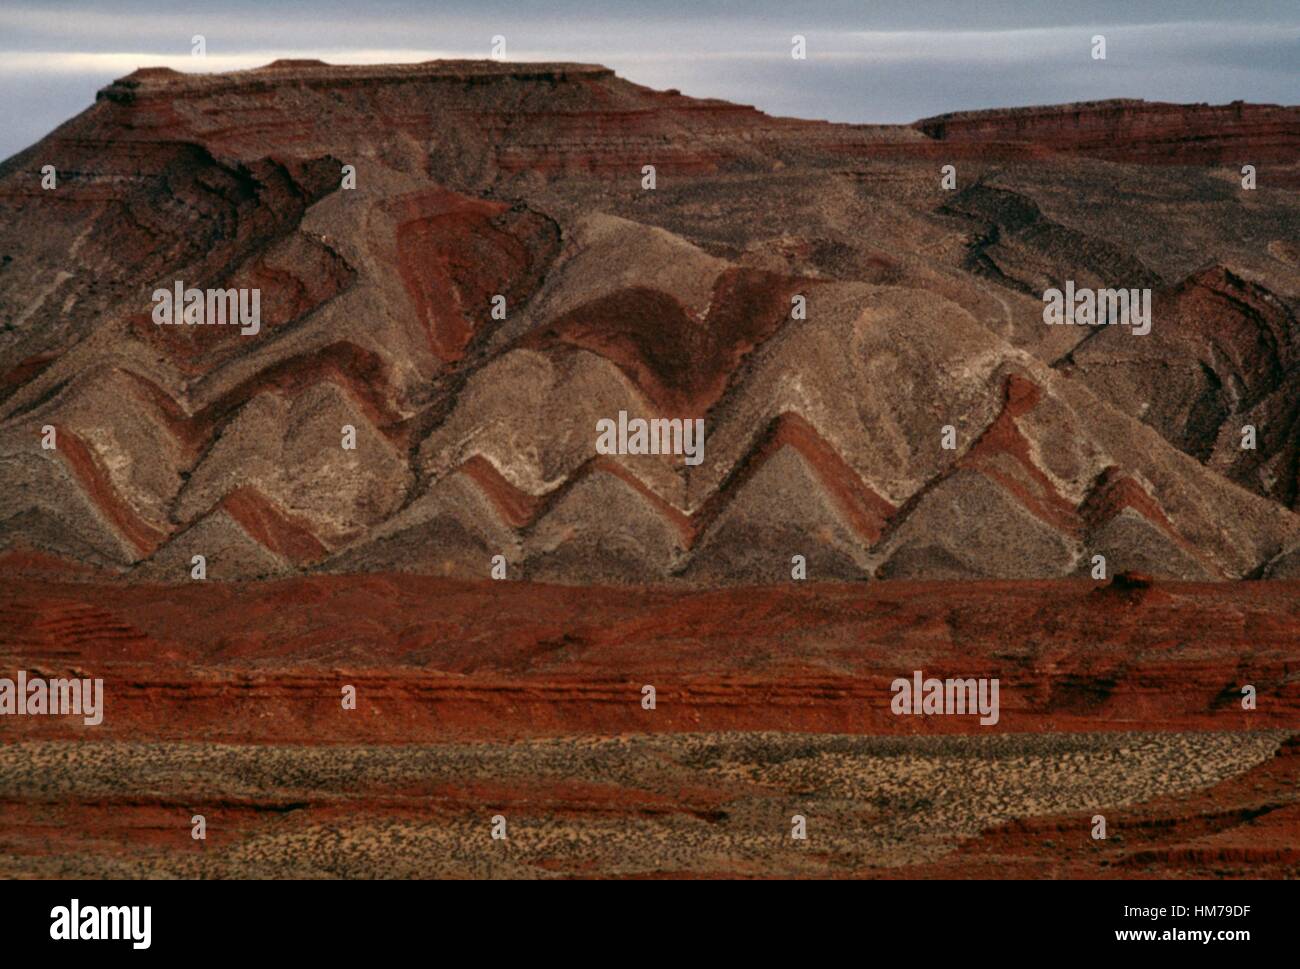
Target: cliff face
column 468, row 119
column 475, row 421
column 579, row 117
column 1140, row 132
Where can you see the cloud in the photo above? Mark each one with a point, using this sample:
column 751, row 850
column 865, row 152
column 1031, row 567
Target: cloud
column 112, row 66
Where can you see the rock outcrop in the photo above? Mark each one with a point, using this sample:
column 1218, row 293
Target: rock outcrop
column 459, row 266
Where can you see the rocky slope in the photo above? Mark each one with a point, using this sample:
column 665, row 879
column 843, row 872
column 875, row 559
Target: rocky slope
column 476, row 434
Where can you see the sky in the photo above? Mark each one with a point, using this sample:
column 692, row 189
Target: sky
column 866, row 61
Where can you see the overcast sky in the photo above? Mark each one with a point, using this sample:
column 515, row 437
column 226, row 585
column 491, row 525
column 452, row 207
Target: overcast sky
column 867, row 61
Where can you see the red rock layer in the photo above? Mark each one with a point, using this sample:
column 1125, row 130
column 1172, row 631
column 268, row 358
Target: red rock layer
column 865, row 510
column 265, row 662
column 282, row 533
column 455, row 254
column 1136, row 132
column 1002, row 441
column 98, row 487
column 683, row 364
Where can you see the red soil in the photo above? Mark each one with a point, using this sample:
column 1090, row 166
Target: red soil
column 435, row 659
